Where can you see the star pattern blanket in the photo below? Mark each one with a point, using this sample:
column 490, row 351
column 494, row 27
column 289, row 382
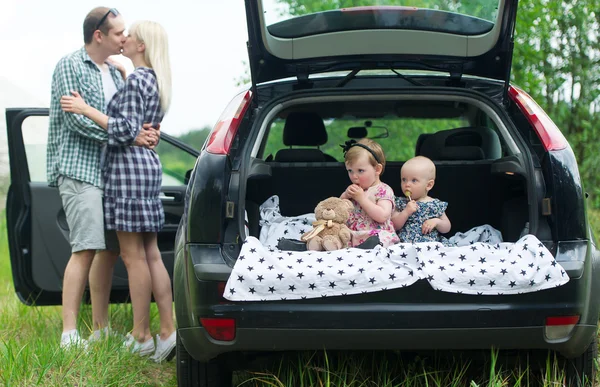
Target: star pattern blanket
column 264, row 273
column 275, row 226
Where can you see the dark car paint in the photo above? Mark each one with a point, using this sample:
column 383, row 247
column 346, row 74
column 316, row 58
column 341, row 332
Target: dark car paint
column 566, row 193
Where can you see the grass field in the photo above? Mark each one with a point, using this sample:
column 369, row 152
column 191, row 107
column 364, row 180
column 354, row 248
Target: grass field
column 30, row 356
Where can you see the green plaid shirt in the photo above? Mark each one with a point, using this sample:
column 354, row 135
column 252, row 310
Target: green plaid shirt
column 74, row 141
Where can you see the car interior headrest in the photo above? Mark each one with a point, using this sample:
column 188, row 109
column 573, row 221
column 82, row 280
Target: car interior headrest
column 468, row 143
column 304, row 129
column 300, row 155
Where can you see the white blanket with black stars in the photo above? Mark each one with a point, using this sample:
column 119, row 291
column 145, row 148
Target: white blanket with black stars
column 264, row 273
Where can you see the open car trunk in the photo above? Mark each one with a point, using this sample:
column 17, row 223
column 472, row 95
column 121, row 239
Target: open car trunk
column 481, row 172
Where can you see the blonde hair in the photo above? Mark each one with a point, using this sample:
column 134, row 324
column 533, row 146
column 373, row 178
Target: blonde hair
column 423, row 164
column 355, row 151
column 156, row 55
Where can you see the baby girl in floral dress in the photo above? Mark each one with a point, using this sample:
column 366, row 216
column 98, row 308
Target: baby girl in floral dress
column 418, row 217
column 373, row 200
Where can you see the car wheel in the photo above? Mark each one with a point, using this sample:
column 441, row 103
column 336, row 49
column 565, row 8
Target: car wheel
column 581, row 371
column 191, row 372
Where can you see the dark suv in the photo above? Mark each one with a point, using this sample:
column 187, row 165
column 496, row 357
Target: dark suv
column 433, row 79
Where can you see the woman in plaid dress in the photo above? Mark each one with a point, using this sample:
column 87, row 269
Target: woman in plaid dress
column 133, row 177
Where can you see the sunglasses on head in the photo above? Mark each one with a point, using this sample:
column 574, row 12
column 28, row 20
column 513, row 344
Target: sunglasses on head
column 113, row 11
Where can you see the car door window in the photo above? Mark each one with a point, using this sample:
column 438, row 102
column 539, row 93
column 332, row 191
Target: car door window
column 35, row 139
column 175, row 163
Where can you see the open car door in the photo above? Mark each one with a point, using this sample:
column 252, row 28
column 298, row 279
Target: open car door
column 38, row 234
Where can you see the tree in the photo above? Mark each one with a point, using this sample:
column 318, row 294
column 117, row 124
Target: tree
column 174, row 161
column 556, row 60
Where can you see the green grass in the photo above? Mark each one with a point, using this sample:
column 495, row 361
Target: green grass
column 392, row 370
column 29, row 352
column 30, row 356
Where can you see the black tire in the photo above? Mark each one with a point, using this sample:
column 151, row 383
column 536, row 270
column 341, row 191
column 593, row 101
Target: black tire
column 581, row 371
column 191, row 372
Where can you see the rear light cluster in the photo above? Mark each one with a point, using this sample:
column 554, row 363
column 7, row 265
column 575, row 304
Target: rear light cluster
column 560, row 327
column 226, row 128
column 222, row 329
column 549, row 134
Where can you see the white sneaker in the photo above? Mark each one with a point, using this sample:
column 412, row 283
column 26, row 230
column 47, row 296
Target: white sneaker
column 165, row 349
column 142, row 349
column 71, row 340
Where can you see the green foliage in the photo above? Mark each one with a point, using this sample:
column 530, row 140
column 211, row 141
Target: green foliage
column 556, row 59
column 195, row 138
column 483, row 9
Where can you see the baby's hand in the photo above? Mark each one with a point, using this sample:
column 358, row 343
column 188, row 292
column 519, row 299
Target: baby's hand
column 355, row 192
column 429, row 225
column 411, row 207
column 359, row 195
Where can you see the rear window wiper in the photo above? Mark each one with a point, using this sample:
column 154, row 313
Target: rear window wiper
column 350, row 76
column 416, row 83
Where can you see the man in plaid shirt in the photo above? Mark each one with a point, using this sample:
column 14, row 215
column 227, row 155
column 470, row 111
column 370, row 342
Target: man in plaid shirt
column 74, row 164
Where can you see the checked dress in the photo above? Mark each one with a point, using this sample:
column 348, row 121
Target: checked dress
column 132, row 174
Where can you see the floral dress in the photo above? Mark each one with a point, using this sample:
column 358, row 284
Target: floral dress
column 412, row 232
column 362, row 226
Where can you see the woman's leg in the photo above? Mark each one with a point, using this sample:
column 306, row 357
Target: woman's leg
column 140, row 282
column 161, row 285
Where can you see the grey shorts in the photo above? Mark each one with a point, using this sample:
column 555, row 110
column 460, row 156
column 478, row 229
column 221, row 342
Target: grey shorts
column 82, row 203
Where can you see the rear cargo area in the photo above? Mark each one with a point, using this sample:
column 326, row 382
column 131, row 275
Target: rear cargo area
column 300, row 160
column 474, row 194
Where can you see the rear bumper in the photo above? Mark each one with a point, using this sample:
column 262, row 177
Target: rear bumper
column 412, row 318
column 203, row 348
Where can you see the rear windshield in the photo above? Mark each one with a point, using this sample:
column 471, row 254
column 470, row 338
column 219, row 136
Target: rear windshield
column 398, row 136
column 293, row 19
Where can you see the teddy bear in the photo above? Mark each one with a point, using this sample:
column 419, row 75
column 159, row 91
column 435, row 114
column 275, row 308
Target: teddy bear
column 329, row 230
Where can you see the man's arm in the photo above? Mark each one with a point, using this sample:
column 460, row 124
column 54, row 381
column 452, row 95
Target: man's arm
column 147, row 136
column 65, row 80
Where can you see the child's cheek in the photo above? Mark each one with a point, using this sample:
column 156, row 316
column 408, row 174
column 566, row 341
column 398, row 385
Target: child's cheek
column 364, row 181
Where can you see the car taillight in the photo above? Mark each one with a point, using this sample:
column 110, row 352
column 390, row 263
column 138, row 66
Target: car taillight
column 226, row 128
column 560, row 327
column 549, row 134
column 222, row 329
